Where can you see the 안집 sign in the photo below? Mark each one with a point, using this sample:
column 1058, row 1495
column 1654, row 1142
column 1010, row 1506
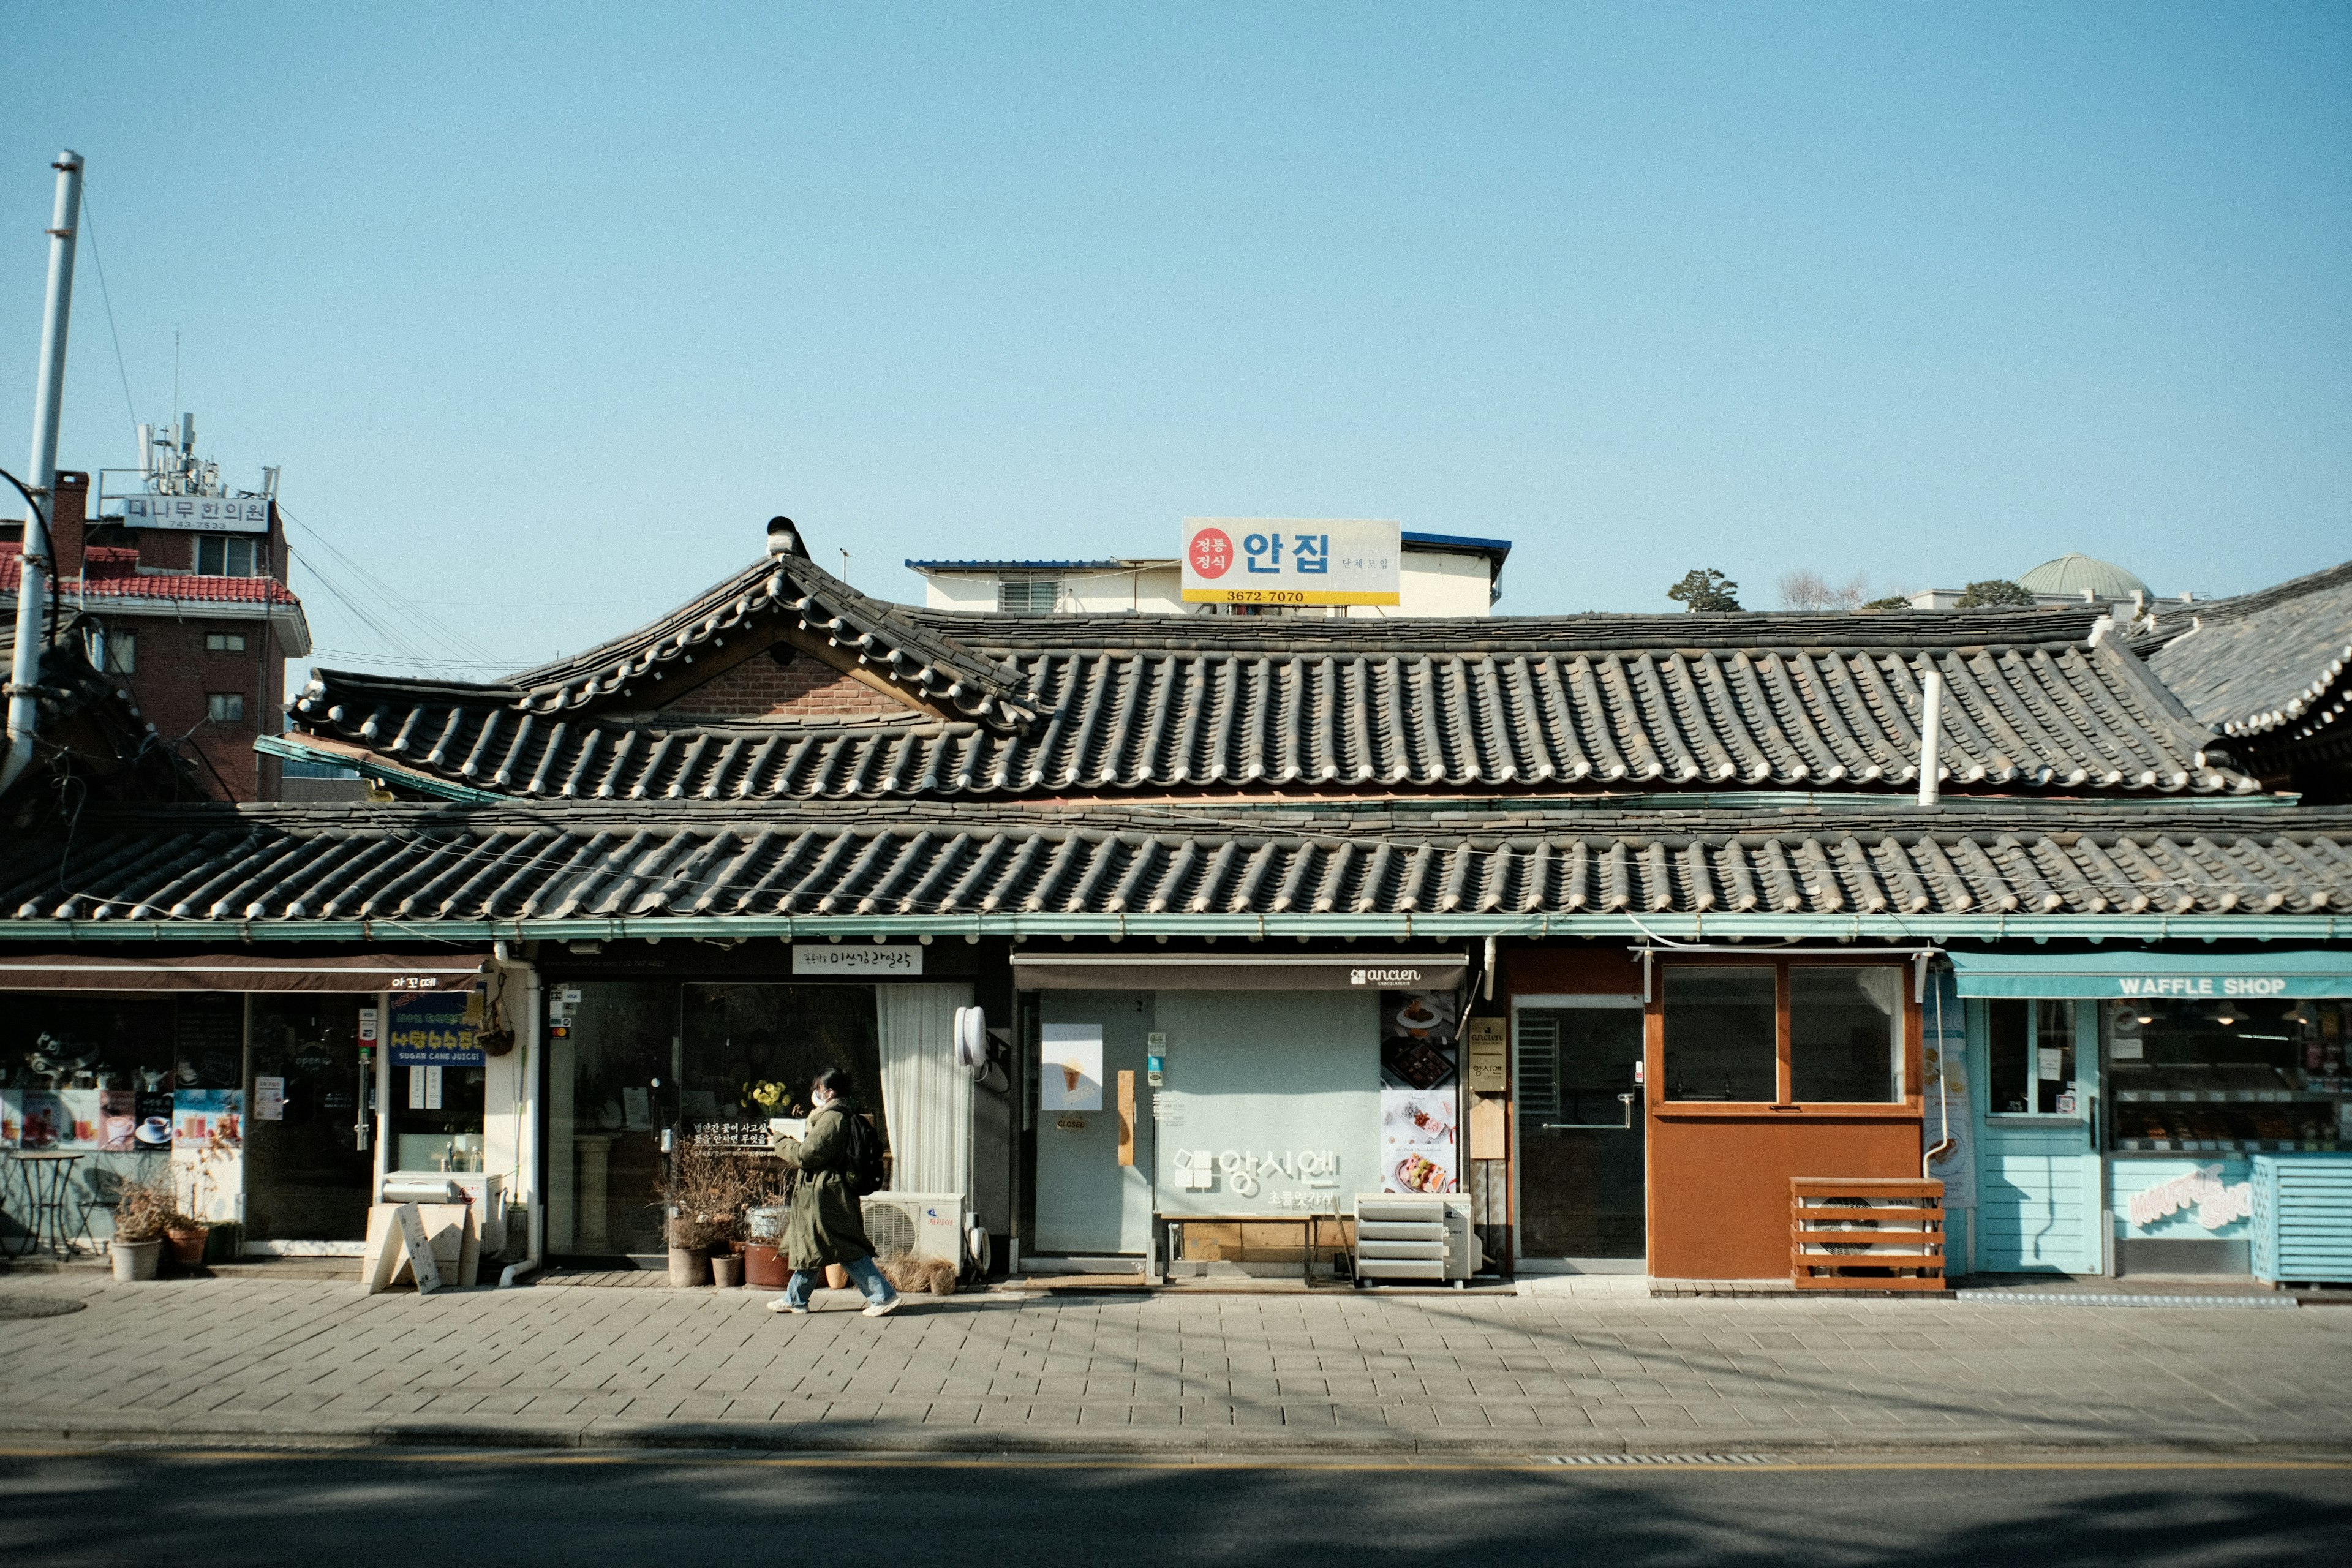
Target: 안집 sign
column 209, row 514
column 1291, row 561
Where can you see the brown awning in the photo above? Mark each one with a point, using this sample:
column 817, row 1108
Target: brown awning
column 360, row 971
column 1193, row 971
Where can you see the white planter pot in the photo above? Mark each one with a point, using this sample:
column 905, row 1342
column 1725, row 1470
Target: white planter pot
column 137, row 1259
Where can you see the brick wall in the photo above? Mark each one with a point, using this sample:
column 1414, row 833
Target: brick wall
column 760, row 687
column 175, row 675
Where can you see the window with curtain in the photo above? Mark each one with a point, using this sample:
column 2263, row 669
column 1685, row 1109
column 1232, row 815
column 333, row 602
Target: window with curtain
column 926, row 1095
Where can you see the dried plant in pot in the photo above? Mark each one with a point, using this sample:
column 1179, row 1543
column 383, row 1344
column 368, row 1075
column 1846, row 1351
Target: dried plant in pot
column 143, row 1209
column 701, row 1193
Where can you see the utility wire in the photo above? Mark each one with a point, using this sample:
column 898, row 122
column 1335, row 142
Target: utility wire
column 107, row 295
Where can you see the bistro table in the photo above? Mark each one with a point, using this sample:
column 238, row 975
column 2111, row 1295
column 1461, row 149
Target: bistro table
column 48, row 1193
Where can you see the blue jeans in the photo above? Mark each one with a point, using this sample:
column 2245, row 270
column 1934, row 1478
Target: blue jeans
column 862, row 1273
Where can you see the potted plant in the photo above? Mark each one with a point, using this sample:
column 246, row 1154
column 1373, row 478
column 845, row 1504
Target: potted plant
column 700, row 1195
column 189, row 1228
column 142, row 1208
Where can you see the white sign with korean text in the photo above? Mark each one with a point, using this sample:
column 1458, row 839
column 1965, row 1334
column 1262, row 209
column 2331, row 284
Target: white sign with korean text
column 203, row 514
column 846, row 958
column 1291, row 561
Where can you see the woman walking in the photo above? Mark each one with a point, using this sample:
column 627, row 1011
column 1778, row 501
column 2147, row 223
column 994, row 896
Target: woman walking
column 827, row 1226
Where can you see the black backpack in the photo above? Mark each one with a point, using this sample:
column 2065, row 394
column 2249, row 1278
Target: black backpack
column 862, row 1151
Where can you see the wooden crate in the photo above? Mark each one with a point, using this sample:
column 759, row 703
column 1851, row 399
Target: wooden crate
column 1888, row 1232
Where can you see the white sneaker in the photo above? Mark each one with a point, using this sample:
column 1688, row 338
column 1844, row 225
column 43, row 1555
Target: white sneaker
column 781, row 1305
column 884, row 1309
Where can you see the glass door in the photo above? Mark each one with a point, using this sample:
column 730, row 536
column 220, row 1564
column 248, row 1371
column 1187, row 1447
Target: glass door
column 307, row 1173
column 1582, row 1172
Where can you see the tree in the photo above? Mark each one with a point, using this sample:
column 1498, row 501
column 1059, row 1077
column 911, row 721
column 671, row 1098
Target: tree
column 1706, row 588
column 1892, row 601
column 1806, row 589
column 1992, row 593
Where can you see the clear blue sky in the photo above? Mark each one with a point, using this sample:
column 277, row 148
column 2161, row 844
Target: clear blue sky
column 545, row 312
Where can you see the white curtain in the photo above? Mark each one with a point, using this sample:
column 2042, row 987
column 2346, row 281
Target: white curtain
column 926, row 1097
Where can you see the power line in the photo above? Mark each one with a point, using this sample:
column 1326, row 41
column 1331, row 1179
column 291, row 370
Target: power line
column 107, row 295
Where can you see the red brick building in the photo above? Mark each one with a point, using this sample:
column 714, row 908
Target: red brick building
column 193, row 627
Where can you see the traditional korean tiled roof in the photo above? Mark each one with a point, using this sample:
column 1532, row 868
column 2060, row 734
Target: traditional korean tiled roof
column 631, row 671
column 1162, row 703
column 2265, row 662
column 421, row 865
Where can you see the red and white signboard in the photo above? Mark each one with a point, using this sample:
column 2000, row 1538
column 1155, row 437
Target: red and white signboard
column 1291, row 561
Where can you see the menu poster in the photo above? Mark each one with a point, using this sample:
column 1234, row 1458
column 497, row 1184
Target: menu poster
column 201, row 1115
column 12, row 1117
column 268, row 1098
column 211, row 1039
column 1420, row 1091
column 118, row 1120
column 43, row 1122
column 154, row 1128
column 1071, row 1075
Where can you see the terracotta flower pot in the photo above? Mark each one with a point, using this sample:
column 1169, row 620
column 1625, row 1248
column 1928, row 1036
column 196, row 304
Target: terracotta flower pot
column 138, row 1259
column 764, row 1267
column 188, row 1246
column 688, row 1266
column 837, row 1278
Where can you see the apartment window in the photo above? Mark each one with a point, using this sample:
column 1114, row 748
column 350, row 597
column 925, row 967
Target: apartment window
column 2030, row 1051
column 224, row 642
column 224, row 707
column 1028, row 595
column 118, row 651
column 1784, row 1033
column 220, row 555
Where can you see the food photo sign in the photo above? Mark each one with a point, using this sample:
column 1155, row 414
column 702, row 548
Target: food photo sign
column 1420, row 1092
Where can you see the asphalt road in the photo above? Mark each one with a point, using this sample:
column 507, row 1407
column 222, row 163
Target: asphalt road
column 66, row 1506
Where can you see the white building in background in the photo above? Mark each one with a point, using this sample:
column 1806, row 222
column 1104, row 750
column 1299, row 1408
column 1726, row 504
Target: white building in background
column 2074, row 581
column 1444, row 575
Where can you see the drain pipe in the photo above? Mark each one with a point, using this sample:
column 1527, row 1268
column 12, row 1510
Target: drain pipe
column 1931, row 728
column 48, row 392
column 528, row 1125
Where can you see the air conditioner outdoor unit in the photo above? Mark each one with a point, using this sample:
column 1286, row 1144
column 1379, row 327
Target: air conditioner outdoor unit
column 1410, row 1237
column 927, row 1224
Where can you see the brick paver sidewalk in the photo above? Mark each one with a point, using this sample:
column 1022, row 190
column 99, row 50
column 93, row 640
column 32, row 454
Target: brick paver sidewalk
column 317, row 1361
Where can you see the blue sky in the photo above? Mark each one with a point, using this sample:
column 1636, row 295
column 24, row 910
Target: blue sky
column 545, row 310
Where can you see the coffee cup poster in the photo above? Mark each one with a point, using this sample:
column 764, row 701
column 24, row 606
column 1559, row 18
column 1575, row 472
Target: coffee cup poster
column 1071, row 1078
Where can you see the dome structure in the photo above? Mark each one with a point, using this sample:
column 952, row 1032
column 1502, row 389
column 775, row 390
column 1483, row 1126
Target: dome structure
column 2075, row 575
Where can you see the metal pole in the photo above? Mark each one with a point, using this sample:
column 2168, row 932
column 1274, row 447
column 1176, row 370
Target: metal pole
column 48, row 395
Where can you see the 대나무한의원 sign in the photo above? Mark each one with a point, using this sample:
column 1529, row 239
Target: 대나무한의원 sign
column 1291, row 561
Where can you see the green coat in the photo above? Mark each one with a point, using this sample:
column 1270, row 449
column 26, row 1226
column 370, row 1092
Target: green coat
column 827, row 1224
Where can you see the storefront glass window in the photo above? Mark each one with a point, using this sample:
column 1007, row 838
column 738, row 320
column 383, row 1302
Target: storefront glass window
column 306, row 1173
column 1721, row 1027
column 739, row 1037
column 1845, row 1038
column 2228, row 1076
column 2030, row 1048
column 601, row 1147
column 438, row 1084
column 93, row 1076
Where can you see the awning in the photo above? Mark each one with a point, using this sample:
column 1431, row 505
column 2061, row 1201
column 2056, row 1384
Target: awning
column 2186, row 975
column 1192, row 971
column 357, row 972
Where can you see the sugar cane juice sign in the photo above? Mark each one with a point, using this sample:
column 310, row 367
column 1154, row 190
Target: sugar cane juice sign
column 1291, row 561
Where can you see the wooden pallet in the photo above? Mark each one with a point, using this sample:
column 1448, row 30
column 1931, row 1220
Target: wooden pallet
column 1897, row 1224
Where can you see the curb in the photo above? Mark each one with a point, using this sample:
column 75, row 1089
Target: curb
column 219, row 1431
